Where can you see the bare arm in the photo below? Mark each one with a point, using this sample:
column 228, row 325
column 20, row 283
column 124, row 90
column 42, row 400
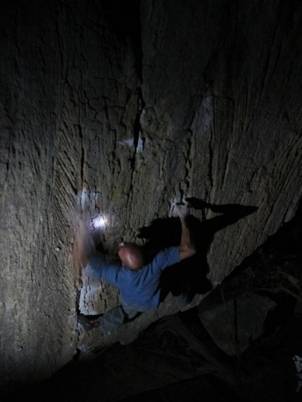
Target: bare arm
column 186, row 248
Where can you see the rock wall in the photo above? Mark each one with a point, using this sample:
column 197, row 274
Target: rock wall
column 142, row 104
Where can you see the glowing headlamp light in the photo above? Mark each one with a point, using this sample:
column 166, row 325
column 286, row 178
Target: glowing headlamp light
column 99, row 222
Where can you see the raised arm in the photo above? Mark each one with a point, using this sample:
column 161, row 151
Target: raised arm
column 186, row 247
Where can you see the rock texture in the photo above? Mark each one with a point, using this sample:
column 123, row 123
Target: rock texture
column 143, row 103
column 248, row 313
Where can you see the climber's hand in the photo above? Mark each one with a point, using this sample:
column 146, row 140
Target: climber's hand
column 180, row 210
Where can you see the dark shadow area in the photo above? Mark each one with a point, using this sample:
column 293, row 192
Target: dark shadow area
column 277, row 320
column 206, row 388
column 124, row 19
column 190, row 276
column 280, row 253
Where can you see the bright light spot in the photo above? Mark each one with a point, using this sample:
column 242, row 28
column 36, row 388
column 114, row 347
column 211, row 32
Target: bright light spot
column 100, row 221
column 131, row 143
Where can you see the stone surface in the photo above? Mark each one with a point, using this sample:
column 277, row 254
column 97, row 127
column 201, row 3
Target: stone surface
column 237, row 323
column 143, row 103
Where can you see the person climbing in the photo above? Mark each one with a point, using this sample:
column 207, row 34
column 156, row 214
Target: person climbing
column 137, row 281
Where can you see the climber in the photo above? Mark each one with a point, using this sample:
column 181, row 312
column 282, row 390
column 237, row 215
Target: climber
column 138, row 283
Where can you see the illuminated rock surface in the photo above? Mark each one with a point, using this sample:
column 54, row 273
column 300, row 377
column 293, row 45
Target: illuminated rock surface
column 142, row 105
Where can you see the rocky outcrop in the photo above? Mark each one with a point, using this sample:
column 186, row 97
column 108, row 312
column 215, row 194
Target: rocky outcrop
column 141, row 104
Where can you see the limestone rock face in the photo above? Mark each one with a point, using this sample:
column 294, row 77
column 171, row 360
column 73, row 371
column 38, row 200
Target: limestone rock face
column 141, row 104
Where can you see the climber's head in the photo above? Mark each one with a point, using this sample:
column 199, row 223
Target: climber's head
column 131, row 255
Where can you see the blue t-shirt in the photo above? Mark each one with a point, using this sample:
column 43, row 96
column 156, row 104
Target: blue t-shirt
column 138, row 289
